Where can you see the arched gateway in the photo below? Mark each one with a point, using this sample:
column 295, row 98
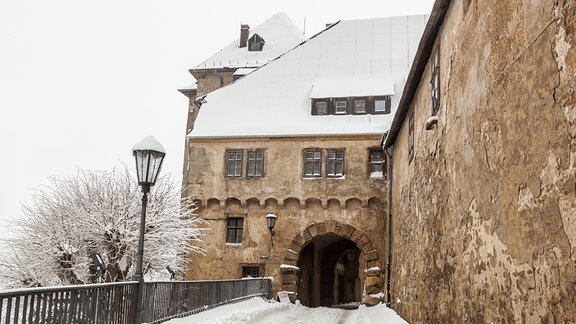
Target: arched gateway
column 324, row 264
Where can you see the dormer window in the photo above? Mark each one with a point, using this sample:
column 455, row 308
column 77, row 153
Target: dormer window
column 255, row 43
column 376, row 105
column 340, row 106
column 320, row 107
column 360, row 106
column 382, row 105
column 359, row 95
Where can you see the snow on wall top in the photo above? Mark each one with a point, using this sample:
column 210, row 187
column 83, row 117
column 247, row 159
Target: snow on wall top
column 275, row 99
column 280, row 35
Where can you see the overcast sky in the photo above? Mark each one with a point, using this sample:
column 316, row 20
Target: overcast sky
column 81, row 82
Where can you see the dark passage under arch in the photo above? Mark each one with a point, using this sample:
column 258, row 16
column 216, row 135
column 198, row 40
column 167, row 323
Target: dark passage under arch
column 329, row 272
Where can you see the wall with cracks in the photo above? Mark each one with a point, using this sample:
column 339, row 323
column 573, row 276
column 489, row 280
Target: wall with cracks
column 484, row 215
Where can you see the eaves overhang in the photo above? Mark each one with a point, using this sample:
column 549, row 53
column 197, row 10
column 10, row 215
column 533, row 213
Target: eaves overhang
column 418, row 65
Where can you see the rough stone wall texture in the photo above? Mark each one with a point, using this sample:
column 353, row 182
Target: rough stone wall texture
column 305, row 207
column 206, row 82
column 484, row 216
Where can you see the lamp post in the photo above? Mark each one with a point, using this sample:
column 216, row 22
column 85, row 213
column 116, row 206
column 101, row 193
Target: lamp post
column 271, row 221
column 149, row 155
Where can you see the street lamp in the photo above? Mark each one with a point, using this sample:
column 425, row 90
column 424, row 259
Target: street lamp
column 98, row 263
column 271, row 221
column 149, row 155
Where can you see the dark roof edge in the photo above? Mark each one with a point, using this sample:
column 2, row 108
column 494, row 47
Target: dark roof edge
column 418, row 65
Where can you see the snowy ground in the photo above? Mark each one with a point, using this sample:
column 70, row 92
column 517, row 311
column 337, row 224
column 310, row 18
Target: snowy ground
column 260, row 311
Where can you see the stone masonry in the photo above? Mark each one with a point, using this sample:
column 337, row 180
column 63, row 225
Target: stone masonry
column 484, row 215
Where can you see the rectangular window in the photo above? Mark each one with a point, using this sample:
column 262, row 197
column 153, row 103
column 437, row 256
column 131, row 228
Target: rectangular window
column 340, row 106
column 411, row 137
column 359, row 106
column 312, row 163
column 382, row 105
column 255, row 164
column 376, row 164
column 234, row 230
column 320, row 107
column 335, row 163
column 435, row 83
column 234, row 163
column 250, row 271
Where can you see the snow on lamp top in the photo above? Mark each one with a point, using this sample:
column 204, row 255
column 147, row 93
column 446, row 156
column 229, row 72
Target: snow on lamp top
column 149, row 155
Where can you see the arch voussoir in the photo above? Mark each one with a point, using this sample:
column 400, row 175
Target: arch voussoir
column 290, row 271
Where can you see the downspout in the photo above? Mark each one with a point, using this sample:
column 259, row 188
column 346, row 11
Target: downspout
column 187, row 175
column 221, row 78
column 388, row 152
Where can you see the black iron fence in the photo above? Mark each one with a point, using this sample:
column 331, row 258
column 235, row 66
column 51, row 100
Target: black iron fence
column 98, row 303
column 114, row 302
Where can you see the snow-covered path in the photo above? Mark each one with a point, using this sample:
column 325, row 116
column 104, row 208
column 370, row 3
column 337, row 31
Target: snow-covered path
column 259, row 311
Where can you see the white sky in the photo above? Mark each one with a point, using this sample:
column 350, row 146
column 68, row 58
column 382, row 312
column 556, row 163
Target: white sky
column 82, row 82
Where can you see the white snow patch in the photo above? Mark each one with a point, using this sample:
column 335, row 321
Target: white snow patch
column 288, row 266
column 376, row 175
column 258, row 310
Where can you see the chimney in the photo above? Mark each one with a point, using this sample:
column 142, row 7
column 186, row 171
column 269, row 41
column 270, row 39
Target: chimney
column 244, row 32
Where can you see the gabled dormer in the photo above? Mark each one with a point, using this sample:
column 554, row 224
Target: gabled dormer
column 255, row 43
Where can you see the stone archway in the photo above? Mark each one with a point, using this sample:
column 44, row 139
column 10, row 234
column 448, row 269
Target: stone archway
column 340, row 246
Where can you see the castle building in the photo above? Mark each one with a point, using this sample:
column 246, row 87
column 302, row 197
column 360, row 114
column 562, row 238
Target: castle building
column 299, row 139
column 482, row 180
column 251, row 50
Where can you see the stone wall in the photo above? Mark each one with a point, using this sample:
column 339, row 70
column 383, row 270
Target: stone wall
column 484, row 216
column 352, row 207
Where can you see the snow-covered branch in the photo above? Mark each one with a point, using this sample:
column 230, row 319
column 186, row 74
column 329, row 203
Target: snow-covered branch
column 99, row 212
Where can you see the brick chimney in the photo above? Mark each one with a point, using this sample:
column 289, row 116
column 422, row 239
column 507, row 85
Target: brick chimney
column 244, row 32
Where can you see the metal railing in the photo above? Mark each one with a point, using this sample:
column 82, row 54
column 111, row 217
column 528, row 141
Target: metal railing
column 165, row 300
column 114, row 302
column 98, row 303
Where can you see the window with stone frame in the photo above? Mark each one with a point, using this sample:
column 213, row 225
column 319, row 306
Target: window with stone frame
column 313, row 163
column 234, row 161
column 435, row 82
column 411, row 137
column 376, row 164
column 334, row 163
column 234, row 229
column 251, row 271
column 255, row 163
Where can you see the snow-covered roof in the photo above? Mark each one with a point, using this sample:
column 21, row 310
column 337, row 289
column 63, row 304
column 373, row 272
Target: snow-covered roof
column 366, row 85
column 280, row 35
column 192, row 86
column 354, row 57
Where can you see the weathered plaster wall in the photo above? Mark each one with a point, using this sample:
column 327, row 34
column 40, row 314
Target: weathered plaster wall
column 353, row 206
column 484, row 217
column 283, row 171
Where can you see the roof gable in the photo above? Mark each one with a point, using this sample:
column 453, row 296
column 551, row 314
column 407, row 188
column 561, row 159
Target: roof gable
column 280, row 35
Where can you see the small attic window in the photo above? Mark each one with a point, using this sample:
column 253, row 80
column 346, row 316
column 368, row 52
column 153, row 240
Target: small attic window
column 373, row 105
column 256, row 43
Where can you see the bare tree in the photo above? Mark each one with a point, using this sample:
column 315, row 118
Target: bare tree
column 99, row 212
